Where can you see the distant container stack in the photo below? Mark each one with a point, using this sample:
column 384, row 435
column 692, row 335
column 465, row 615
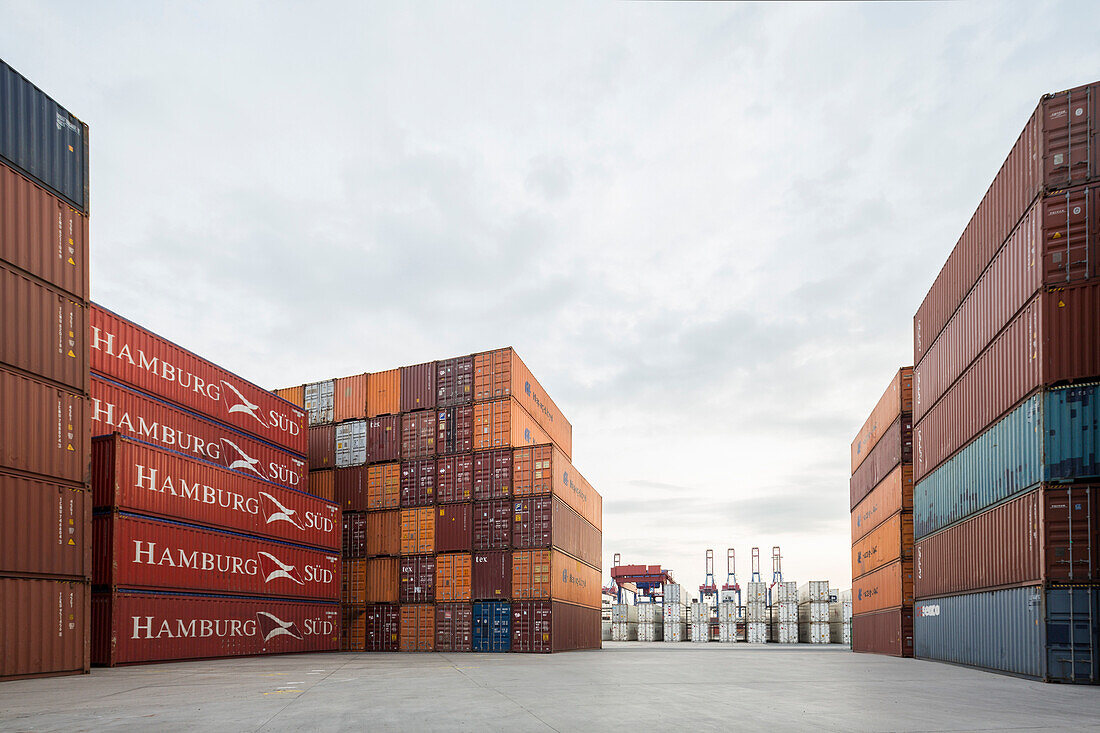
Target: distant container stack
column 881, row 500
column 729, row 618
column 624, row 622
column 677, row 604
column 813, row 612
column 699, row 622
column 840, row 619
column 1006, row 417
column 783, row 612
column 45, row 504
column 756, row 612
column 465, row 524
column 651, row 622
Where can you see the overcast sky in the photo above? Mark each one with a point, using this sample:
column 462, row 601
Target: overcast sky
column 704, row 227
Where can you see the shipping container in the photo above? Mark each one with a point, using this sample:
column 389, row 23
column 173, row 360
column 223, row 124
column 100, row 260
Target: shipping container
column 893, row 494
column 543, row 522
column 45, row 330
column 492, row 529
column 349, row 398
column 452, row 626
column 384, row 533
column 544, row 469
column 504, row 424
column 418, row 482
column 43, row 627
column 354, row 636
column 492, row 626
column 43, row 235
column 351, row 443
column 353, row 588
column 893, row 448
column 454, row 526
column 138, row 477
column 454, row 478
column 134, row 627
column 322, row 447
column 43, row 139
column 491, row 578
column 418, row 628
column 454, row 382
column 1057, row 148
column 418, row 387
column 501, row 374
column 1049, row 634
column 45, row 528
column 454, row 429
column 417, row 579
column 294, row 395
column 384, row 486
column 142, row 553
column 44, row 430
column 383, row 579
column 384, row 438
column 355, row 535
column 418, row 531
column 384, row 393
column 551, row 575
column 492, row 474
column 322, row 484
column 897, row 399
column 891, row 586
column 890, row 541
column 319, row 399
column 383, row 628
column 125, row 352
column 418, row 434
column 452, row 577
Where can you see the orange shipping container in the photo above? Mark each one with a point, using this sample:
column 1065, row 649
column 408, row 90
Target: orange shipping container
column 354, row 636
column 349, row 398
column 384, row 486
column 418, row 531
column 452, row 577
column 888, row 587
column 296, row 395
column 886, row 543
column 543, row 469
column 893, row 494
column 504, row 424
column 383, row 579
column 545, row 575
column 418, row 628
column 897, row 398
column 384, row 393
column 501, row 373
column 322, row 484
column 384, row 533
column 355, row 581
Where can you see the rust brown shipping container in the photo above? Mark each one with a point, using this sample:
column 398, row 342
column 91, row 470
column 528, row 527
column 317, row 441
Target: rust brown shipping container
column 452, row 577
column 551, row 575
column 354, row 582
column 322, row 447
column 383, row 628
column 501, row 373
column 1057, row 149
column 350, row 488
column 45, row 330
column 418, row 387
column 349, row 398
column 493, row 474
column 384, row 438
column 454, row 478
column 893, row 448
column 43, row 235
column 892, row 495
column 417, row 579
column 892, row 540
column 492, row 529
column 383, row 486
column 417, row 531
column 418, row 628
column 293, row 395
column 322, row 484
column 544, row 522
column 454, row 429
column 454, row 381
column 353, row 637
column 453, row 627
column 418, row 434
column 384, row 533
column 543, row 469
column 418, row 482
column 44, row 627
column 491, row 575
column 45, row 528
column 383, row 579
column 897, row 398
column 891, row 586
column 384, row 393
column 45, row 429
column 454, row 527
column 505, row 424
column 554, row 626
column 887, row 632
column 354, row 535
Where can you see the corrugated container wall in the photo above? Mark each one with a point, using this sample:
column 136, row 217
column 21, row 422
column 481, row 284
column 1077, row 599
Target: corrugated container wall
column 319, row 397
column 322, row 484
column 44, row 430
column 453, row 622
column 500, row 374
column 384, row 393
column 384, row 533
column 293, row 395
column 542, row 522
column 544, row 469
column 541, row 626
column 893, row 448
column 322, row 447
column 453, row 527
column 384, row 438
column 349, row 399
column 897, row 398
column 43, row 627
column 455, row 381
column 418, row 387
column 454, row 478
column 45, row 331
column 44, row 527
column 893, row 494
column 884, row 632
column 384, row 486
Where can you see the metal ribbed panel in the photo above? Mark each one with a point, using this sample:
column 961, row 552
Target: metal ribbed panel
column 45, row 528
column 43, row 627
column 42, row 330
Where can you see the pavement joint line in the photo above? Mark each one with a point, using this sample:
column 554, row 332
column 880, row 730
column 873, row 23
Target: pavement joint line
column 301, row 694
column 506, row 697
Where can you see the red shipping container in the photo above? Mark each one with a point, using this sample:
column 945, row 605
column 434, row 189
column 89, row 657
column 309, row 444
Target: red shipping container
column 118, row 409
column 322, row 447
column 454, row 478
column 491, row 575
column 350, row 488
column 43, row 627
column 384, row 533
column 45, row 528
column 545, row 522
column 130, row 628
column 139, row 477
column 893, row 494
column 128, row 353
column 453, row 528
column 355, row 535
column 454, row 382
column 453, row 626
column 554, row 626
column 137, row 552
column 45, row 330
column 893, row 448
column 884, row 632
column 455, row 429
column 44, row 429
column 418, row 482
column 383, row 625
column 493, row 474
column 418, row 628
column 418, row 387
column 418, row 434
column 492, row 524
column 417, row 579
column 384, row 438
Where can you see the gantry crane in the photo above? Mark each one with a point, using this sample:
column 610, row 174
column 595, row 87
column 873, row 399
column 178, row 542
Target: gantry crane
column 756, row 565
column 708, row 588
column 647, row 581
column 731, row 590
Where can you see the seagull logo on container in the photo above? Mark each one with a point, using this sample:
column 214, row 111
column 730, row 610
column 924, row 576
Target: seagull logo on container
column 244, row 406
column 272, row 568
column 281, row 513
column 272, row 626
column 245, row 462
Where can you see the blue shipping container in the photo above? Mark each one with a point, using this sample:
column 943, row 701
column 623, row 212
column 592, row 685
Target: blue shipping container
column 42, row 139
column 1052, row 436
column 492, row 627
column 1051, row 634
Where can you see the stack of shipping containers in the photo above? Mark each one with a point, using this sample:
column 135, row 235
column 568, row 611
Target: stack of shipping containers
column 756, row 612
column 840, row 619
column 783, row 612
column 813, row 612
column 1006, row 387
column 202, row 544
column 466, row 528
column 881, row 496
column 624, row 622
column 45, row 506
column 676, row 605
column 651, row 622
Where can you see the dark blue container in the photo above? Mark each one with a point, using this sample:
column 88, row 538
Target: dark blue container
column 492, row 627
column 42, row 139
